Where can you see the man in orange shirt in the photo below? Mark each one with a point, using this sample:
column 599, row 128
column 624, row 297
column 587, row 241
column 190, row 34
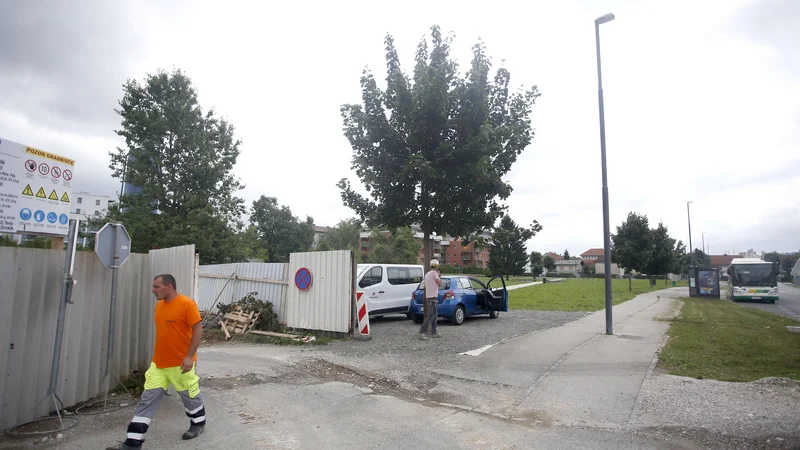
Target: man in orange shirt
column 178, row 332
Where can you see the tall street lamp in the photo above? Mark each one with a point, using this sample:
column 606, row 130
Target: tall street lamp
column 606, row 227
column 691, row 249
column 703, row 237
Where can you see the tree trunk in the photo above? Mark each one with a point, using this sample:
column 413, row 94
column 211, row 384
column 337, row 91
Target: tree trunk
column 630, row 282
column 427, row 254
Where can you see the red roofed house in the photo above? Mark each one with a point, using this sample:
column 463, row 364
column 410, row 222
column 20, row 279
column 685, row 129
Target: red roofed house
column 555, row 256
column 722, row 262
column 591, row 256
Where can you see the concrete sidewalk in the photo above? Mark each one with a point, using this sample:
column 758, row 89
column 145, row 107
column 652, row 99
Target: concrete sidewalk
column 575, row 373
column 533, row 283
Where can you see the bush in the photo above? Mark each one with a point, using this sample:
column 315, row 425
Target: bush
column 786, row 278
column 551, row 274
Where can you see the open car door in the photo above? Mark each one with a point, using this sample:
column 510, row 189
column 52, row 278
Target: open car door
column 498, row 298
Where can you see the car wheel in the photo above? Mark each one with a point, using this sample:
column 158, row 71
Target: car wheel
column 417, row 318
column 494, row 314
column 458, row 316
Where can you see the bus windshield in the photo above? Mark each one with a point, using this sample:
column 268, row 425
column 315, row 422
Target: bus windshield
column 754, row 275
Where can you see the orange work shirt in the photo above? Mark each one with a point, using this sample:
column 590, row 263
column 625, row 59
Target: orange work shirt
column 174, row 320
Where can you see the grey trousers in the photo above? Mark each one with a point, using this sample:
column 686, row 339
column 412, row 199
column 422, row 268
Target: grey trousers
column 431, row 315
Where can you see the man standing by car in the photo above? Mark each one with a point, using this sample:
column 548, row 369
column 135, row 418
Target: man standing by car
column 431, row 305
column 178, row 333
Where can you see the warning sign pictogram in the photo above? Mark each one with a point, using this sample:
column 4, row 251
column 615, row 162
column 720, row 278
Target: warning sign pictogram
column 40, row 193
column 53, row 195
column 65, row 197
column 27, row 191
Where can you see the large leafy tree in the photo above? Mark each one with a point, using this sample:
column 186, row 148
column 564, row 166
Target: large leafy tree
column 182, row 159
column 661, row 260
column 344, row 236
column 680, row 259
column 507, row 251
column 279, row 231
column 633, row 245
column 537, row 263
column 433, row 149
column 549, row 262
column 396, row 247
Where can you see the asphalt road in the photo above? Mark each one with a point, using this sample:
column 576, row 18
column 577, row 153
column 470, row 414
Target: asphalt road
column 788, row 305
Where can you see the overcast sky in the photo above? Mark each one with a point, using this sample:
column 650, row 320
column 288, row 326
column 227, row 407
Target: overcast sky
column 702, row 100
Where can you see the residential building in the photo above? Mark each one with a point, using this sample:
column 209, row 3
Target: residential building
column 600, row 267
column 365, row 244
column 319, row 234
column 554, row 255
column 84, row 205
column 591, row 256
column 752, row 254
column 723, row 262
column 447, row 250
column 572, row 266
column 796, row 273
column 458, row 254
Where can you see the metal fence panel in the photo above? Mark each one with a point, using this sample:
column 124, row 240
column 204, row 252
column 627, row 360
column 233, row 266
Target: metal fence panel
column 226, row 283
column 327, row 304
column 180, row 262
column 30, row 288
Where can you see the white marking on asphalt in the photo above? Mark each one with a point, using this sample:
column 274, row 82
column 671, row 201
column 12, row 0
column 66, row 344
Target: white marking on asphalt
column 477, row 351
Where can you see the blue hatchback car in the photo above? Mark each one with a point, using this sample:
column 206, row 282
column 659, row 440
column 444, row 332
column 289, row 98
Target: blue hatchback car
column 462, row 296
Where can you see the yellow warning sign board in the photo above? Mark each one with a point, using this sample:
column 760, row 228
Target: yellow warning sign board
column 40, row 193
column 53, row 195
column 65, row 197
column 28, row 191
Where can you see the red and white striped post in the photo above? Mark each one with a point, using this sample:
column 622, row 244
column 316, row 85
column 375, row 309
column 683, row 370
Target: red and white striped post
column 363, row 316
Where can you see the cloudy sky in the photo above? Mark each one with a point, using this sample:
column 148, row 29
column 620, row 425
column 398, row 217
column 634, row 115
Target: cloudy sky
column 702, row 99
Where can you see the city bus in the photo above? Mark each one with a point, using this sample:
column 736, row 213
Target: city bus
column 753, row 279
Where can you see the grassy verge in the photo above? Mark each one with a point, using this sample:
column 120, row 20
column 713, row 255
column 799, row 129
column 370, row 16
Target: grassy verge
column 217, row 336
column 724, row 341
column 578, row 294
column 510, row 282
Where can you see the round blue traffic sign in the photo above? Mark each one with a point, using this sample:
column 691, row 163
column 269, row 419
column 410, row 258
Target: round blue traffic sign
column 52, row 217
column 302, row 279
column 63, row 219
column 25, row 214
column 38, row 215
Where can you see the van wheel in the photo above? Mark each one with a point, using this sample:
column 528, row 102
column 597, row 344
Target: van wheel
column 494, row 314
column 458, row 316
column 417, row 318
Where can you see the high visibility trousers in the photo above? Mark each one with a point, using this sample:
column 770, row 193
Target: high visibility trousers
column 156, row 383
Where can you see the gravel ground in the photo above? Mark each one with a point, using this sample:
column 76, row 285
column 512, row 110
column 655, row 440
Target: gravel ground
column 766, row 411
column 395, row 351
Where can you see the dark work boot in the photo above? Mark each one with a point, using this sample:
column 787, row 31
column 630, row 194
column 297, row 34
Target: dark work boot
column 124, row 446
column 194, row 431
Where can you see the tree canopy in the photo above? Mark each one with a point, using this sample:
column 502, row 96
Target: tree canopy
column 182, row 160
column 432, row 149
column 508, row 254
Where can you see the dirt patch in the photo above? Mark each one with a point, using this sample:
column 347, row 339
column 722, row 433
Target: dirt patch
column 228, row 383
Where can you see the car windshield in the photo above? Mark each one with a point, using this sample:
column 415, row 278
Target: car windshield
column 360, row 269
column 754, row 275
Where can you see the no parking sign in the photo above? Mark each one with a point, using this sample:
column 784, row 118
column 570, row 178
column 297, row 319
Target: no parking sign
column 302, row 279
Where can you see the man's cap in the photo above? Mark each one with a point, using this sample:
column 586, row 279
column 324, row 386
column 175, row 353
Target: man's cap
column 434, row 262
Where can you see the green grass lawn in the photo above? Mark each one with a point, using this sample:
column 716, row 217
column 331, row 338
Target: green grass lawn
column 724, row 341
column 512, row 281
column 586, row 294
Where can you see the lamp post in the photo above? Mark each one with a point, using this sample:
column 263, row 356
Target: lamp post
column 606, row 227
column 703, row 237
column 691, row 250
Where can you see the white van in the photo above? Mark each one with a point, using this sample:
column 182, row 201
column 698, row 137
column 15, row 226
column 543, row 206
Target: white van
column 388, row 287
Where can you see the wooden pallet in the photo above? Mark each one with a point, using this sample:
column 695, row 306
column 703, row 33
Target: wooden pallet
column 239, row 321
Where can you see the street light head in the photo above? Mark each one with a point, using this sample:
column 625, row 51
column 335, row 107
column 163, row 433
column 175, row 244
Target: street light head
column 603, row 19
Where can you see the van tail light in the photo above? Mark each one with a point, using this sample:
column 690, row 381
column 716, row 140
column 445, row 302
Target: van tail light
column 449, row 294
